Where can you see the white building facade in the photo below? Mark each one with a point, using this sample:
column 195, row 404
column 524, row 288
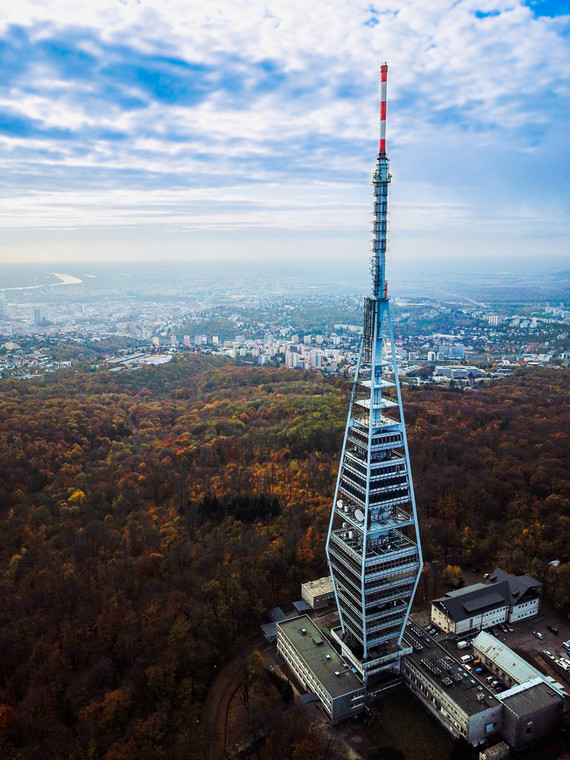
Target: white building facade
column 505, row 598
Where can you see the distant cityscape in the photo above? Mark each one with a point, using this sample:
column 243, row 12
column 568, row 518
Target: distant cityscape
column 44, row 328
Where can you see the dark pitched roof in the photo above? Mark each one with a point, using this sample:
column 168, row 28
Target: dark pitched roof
column 474, row 601
column 519, row 585
column 276, row 615
column 504, row 589
column 478, row 603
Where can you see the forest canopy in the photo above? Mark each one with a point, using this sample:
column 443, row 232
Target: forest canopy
column 150, row 517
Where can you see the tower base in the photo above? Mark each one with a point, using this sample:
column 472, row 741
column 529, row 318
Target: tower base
column 377, row 667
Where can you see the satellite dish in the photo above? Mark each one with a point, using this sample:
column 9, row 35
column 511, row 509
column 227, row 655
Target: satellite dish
column 358, row 515
column 339, row 504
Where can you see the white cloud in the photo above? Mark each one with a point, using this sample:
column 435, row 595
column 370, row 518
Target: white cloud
column 467, row 95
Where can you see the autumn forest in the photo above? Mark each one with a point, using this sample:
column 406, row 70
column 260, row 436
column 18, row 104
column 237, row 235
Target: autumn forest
column 150, row 518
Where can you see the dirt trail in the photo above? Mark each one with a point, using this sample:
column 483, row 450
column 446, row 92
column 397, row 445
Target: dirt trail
column 350, row 737
column 217, row 702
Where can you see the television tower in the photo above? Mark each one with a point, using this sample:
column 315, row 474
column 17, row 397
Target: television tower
column 373, row 544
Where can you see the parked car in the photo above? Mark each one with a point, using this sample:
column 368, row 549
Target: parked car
column 566, row 644
column 479, row 669
column 510, row 627
column 538, row 634
column 553, row 628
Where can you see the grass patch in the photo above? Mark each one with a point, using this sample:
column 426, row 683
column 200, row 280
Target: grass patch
column 404, row 730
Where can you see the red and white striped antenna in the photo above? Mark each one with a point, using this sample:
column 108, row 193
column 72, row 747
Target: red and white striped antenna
column 383, row 88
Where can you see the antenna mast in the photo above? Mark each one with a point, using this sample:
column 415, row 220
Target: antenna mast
column 380, row 181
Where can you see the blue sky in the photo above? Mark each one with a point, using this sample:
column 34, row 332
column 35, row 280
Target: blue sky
column 153, row 129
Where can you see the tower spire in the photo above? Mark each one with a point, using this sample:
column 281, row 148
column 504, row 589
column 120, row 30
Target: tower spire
column 383, row 91
column 380, row 181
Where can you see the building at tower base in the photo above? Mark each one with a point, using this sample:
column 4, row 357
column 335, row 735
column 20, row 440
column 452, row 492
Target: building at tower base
column 503, row 697
column 504, row 598
column 320, row 669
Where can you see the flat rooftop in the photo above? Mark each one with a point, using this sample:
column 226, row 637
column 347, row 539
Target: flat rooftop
column 529, row 698
column 320, row 657
column 320, row 586
column 462, row 686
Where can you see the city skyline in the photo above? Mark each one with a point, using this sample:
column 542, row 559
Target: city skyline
column 233, row 131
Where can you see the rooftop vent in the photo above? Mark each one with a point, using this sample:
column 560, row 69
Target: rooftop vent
column 337, row 673
column 328, row 656
column 304, row 631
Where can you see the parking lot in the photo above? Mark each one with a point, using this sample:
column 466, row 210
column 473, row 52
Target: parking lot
column 522, row 637
column 471, row 667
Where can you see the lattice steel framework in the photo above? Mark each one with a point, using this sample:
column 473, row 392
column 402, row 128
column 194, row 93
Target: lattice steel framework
column 373, row 544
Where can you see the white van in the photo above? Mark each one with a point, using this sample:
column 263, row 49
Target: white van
column 466, row 658
column 462, row 644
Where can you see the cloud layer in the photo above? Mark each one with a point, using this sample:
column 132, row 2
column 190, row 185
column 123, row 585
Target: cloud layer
column 248, row 115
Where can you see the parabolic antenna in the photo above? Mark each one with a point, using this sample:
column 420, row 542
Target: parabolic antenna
column 358, row 515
